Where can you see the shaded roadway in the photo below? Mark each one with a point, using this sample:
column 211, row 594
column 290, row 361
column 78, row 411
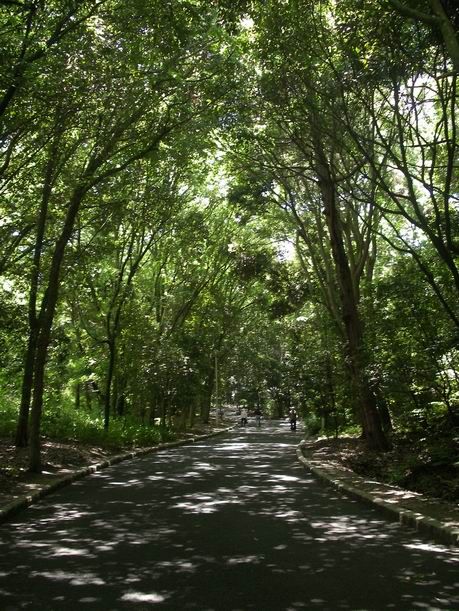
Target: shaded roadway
column 229, row 523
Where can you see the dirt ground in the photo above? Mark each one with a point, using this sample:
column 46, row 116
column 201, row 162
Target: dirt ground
column 59, row 459
column 405, row 466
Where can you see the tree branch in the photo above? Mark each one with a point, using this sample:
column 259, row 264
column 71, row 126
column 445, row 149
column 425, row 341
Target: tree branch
column 412, row 13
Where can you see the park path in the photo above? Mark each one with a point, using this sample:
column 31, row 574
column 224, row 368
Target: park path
column 229, row 523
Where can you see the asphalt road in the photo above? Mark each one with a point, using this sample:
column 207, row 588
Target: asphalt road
column 230, row 523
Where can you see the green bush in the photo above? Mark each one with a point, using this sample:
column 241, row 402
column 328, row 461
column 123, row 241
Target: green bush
column 8, row 417
column 312, row 424
column 84, row 426
column 65, row 423
column 351, row 430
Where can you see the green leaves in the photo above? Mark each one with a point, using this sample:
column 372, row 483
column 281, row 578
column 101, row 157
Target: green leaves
column 191, row 140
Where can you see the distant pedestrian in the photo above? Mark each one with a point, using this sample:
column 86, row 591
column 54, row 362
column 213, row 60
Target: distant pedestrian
column 292, row 416
column 244, row 416
column 258, row 416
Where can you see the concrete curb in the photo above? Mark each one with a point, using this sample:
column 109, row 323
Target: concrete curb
column 7, row 511
column 422, row 523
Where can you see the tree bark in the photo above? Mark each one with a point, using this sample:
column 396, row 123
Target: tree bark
column 207, row 396
column 108, row 383
column 46, row 318
column 34, row 323
column 22, row 427
column 37, row 401
column 371, row 424
column 438, row 19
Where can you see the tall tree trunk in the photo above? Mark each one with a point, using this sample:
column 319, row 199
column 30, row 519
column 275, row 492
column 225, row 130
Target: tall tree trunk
column 162, row 410
column 77, row 395
column 384, row 414
column 193, row 405
column 448, row 32
column 45, row 320
column 38, row 389
column 371, row 424
column 207, row 396
column 22, row 427
column 108, row 382
column 27, row 380
column 87, row 395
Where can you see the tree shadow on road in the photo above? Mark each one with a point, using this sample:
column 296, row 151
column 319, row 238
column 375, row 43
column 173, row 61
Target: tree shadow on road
column 230, row 523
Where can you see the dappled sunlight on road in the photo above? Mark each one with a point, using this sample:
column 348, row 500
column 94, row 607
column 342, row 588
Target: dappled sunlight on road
column 73, row 579
column 197, row 503
column 135, row 597
column 232, row 523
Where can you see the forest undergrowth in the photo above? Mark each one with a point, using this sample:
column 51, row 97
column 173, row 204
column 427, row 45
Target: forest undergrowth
column 428, row 465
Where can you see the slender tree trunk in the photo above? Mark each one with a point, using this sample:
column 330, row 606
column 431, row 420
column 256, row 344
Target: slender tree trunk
column 162, row 410
column 111, row 387
column 330, row 394
column 22, row 428
column 384, row 414
column 88, row 395
column 37, row 401
column 153, row 404
column 108, row 382
column 77, row 395
column 207, row 396
column 34, row 323
column 182, row 417
column 46, row 319
column 192, row 412
column 448, row 32
column 370, row 420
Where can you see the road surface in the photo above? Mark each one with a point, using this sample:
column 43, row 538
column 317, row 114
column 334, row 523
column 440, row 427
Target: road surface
column 230, row 523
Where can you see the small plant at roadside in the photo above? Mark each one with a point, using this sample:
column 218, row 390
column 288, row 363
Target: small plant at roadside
column 66, row 424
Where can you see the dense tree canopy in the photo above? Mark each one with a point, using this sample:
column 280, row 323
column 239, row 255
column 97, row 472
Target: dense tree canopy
column 215, row 202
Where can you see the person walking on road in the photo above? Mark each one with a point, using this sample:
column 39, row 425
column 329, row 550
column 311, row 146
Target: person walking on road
column 258, row 416
column 243, row 416
column 292, row 416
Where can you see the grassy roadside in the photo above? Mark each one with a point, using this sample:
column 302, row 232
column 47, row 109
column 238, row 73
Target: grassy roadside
column 70, row 442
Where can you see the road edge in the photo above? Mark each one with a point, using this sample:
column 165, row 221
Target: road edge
column 420, row 522
column 22, row 503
